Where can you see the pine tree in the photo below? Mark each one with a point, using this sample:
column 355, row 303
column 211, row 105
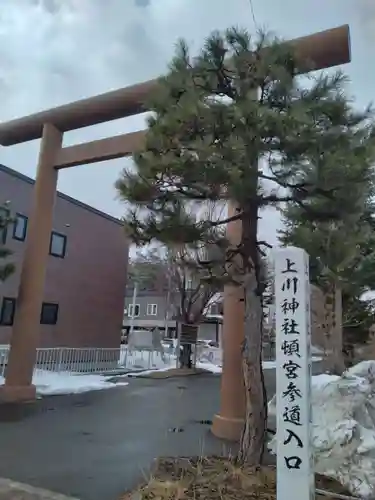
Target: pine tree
column 236, row 123
column 341, row 248
column 7, row 268
column 149, row 270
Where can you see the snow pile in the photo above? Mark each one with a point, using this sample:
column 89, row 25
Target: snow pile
column 140, row 359
column 51, row 383
column 344, row 427
column 138, row 362
column 210, row 367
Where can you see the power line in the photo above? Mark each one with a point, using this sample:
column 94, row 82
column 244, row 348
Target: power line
column 253, row 13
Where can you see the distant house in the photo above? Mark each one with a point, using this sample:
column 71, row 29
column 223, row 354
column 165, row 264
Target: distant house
column 150, row 311
column 152, row 297
column 156, row 306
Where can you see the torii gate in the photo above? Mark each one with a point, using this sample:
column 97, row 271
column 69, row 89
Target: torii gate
column 325, row 49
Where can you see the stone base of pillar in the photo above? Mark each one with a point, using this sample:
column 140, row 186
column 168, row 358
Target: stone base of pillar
column 227, row 428
column 17, row 393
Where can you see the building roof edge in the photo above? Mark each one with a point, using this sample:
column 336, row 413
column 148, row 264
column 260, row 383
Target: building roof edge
column 74, row 201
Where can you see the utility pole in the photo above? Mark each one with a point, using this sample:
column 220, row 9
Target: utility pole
column 135, row 292
column 168, row 304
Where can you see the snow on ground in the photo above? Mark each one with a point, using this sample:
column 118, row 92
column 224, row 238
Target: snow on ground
column 271, row 365
column 138, row 362
column 51, row 383
column 143, row 363
column 210, row 367
column 344, row 427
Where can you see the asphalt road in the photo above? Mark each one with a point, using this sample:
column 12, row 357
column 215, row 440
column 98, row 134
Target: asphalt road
column 96, row 445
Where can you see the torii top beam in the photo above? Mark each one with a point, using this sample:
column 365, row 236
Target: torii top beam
column 323, row 50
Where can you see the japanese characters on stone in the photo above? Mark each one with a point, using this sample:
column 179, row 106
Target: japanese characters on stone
column 293, row 367
column 291, row 350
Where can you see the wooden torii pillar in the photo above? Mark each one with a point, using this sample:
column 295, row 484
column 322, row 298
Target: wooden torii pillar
column 324, row 50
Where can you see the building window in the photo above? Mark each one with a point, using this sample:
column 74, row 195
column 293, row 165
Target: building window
column 49, row 313
column 136, row 310
column 8, row 309
column 4, row 216
column 214, row 309
column 20, row 227
column 152, row 309
column 57, row 246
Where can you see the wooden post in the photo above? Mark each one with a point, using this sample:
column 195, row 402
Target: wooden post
column 25, row 336
column 229, row 422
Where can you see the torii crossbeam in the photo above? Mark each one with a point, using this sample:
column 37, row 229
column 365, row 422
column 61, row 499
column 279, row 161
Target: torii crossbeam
column 323, row 50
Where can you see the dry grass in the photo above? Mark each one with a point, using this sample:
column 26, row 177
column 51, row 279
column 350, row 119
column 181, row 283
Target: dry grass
column 214, row 478
column 173, row 372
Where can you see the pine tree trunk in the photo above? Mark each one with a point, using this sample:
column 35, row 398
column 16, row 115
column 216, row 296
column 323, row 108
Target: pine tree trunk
column 254, row 434
column 337, row 347
column 253, row 437
column 328, row 326
column 333, row 360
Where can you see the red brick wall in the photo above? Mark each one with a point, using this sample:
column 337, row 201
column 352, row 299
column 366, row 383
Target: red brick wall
column 88, row 284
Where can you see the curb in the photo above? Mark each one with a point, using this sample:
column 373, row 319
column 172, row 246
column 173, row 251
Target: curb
column 173, row 373
column 12, row 490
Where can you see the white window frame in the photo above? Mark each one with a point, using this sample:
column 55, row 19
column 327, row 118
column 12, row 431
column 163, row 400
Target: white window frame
column 20, row 227
column 130, row 310
column 57, row 246
column 152, row 309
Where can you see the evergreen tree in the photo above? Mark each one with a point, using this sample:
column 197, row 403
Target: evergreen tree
column 341, row 247
column 236, row 123
column 6, row 267
column 149, row 271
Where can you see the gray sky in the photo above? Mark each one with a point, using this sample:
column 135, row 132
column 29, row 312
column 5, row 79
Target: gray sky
column 57, row 51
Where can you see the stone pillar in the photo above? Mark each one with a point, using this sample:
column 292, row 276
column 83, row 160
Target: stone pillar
column 25, row 336
column 228, row 424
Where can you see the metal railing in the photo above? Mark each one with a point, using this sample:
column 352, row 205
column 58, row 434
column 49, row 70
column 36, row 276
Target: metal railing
column 93, row 360
column 104, row 360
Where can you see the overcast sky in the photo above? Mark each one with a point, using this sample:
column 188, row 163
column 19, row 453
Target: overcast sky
column 57, row 51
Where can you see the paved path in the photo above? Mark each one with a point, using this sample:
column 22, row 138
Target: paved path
column 95, row 445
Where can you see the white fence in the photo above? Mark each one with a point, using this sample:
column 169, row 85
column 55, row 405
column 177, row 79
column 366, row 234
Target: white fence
column 93, row 360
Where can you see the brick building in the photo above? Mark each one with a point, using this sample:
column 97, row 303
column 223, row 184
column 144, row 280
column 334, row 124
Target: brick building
column 86, row 274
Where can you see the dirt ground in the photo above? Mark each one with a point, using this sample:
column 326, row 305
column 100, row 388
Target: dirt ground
column 215, row 478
